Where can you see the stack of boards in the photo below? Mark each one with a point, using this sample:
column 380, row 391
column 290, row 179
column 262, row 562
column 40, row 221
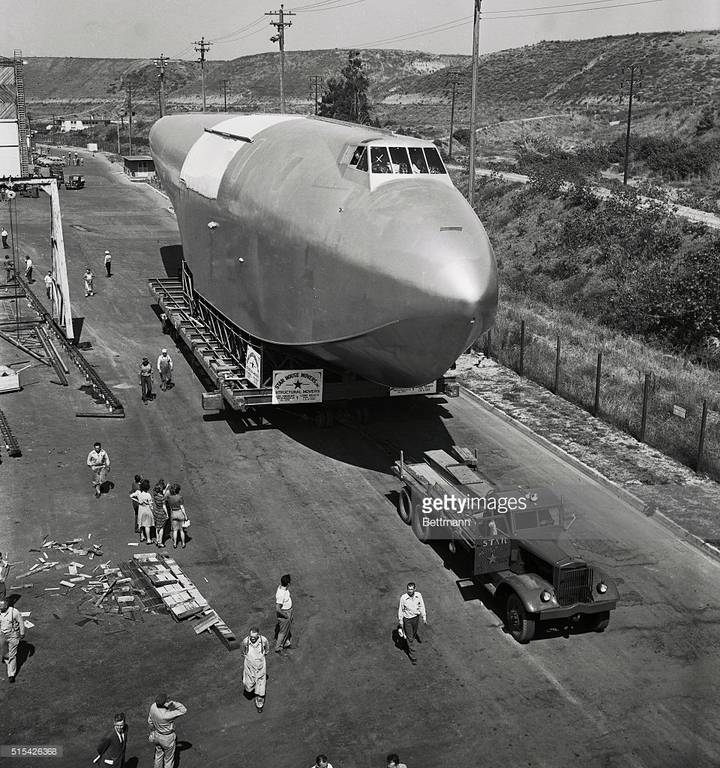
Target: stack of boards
column 181, row 597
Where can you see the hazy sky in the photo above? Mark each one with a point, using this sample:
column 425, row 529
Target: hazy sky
column 146, row 28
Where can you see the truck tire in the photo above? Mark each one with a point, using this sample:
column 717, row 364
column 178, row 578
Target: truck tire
column 520, row 625
column 422, row 533
column 405, row 506
column 600, row 621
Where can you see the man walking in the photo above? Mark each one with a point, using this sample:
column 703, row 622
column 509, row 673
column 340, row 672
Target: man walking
column 9, row 269
column 111, row 750
column 89, row 277
column 99, row 462
column 165, row 366
column 161, row 720
column 410, row 609
column 28, row 269
column 48, row 284
column 255, row 648
column 108, row 263
column 284, row 613
column 12, row 631
column 4, row 236
column 146, row 372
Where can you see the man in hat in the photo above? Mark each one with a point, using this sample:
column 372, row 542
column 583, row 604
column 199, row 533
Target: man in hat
column 161, row 720
column 108, row 263
column 112, row 748
column 165, row 366
column 4, row 236
column 146, row 373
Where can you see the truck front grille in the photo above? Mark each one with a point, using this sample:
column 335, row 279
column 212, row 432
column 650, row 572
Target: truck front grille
column 575, row 586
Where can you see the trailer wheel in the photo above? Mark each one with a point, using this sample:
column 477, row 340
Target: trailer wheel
column 519, row 624
column 405, row 506
column 421, row 531
column 600, row 621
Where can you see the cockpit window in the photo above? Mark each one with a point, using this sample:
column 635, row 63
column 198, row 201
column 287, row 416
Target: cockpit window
column 362, row 163
column 380, row 160
column 356, row 155
column 400, row 162
column 417, row 160
column 434, row 162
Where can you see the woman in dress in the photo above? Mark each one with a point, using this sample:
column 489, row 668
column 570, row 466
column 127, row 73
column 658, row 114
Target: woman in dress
column 145, row 517
column 176, row 511
column 135, row 487
column 159, row 511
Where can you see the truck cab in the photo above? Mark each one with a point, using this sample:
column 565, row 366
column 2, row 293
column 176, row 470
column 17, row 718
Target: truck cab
column 514, row 536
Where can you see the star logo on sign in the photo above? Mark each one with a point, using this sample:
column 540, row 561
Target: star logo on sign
column 492, row 559
column 298, row 384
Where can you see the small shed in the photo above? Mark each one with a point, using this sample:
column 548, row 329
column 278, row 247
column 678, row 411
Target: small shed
column 139, row 166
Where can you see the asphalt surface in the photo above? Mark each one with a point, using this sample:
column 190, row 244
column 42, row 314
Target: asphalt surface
column 319, row 505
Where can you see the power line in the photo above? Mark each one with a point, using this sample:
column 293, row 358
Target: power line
column 344, row 4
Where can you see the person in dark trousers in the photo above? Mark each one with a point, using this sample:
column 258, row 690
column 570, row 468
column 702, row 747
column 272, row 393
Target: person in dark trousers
column 136, row 487
column 108, row 263
column 48, row 284
column 410, row 610
column 4, row 236
column 146, row 372
column 284, row 613
column 111, row 749
column 28, row 269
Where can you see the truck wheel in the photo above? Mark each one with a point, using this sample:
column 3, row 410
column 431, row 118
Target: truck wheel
column 405, row 506
column 519, row 624
column 600, row 621
column 421, row 531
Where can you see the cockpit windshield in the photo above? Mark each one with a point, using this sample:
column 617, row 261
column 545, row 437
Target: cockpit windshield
column 398, row 160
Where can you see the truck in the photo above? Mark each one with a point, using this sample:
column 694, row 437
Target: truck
column 514, row 538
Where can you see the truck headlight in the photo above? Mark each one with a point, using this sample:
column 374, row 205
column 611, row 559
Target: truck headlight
column 602, row 587
column 545, row 596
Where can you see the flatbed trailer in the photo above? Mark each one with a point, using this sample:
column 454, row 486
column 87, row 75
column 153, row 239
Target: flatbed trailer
column 513, row 536
column 249, row 374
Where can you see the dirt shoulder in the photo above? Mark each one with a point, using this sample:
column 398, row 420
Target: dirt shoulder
column 690, row 500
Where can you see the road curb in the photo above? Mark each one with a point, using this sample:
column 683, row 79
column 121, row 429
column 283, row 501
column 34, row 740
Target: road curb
column 646, row 509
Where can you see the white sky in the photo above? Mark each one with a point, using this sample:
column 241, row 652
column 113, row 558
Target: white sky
column 146, row 28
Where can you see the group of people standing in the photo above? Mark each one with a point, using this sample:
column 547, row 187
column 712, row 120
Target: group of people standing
column 89, row 275
column 153, row 509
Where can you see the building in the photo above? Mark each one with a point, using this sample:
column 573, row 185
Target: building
column 139, row 166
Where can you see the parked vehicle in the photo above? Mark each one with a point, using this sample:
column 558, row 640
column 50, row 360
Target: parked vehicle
column 75, row 182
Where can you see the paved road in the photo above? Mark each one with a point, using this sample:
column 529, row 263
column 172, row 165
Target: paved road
column 315, row 503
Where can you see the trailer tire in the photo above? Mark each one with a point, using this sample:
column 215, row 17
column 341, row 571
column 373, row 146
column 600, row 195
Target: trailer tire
column 519, row 623
column 405, row 506
column 422, row 533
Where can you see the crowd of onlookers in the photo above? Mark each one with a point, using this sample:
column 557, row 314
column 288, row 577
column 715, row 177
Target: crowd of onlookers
column 155, row 508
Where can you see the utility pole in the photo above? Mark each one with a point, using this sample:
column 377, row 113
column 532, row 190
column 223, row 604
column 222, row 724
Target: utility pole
column 280, row 38
column 454, row 80
column 317, row 79
column 202, row 48
column 473, row 101
column 632, row 70
column 160, row 64
column 225, row 84
column 130, row 113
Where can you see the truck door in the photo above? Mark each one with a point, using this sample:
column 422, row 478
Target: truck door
column 492, row 544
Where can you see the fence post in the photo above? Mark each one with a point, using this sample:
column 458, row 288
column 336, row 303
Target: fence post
column 701, row 442
column 596, row 407
column 556, row 385
column 488, row 342
column 646, row 396
column 522, row 348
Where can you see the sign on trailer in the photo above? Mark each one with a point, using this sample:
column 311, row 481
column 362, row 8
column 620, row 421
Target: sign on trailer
column 424, row 389
column 253, row 365
column 299, row 386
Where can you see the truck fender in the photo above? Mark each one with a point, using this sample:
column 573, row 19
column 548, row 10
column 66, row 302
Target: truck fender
column 527, row 586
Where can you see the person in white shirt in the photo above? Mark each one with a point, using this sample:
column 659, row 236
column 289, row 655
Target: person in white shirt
column 88, row 277
column 4, row 236
column 284, row 613
column 99, row 462
column 108, row 263
column 410, row 610
column 393, row 761
column 321, row 761
column 161, row 719
column 165, row 366
column 28, row 269
column 12, row 631
column 48, row 284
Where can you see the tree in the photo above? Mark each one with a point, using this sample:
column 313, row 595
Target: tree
column 346, row 97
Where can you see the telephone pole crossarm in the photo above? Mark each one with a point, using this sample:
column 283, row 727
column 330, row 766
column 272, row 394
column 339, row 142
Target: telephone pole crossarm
column 279, row 38
column 202, row 47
